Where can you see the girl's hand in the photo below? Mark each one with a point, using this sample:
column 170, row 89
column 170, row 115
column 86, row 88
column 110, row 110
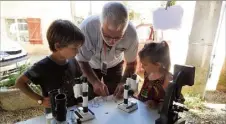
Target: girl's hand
column 119, row 91
column 135, row 95
column 151, row 104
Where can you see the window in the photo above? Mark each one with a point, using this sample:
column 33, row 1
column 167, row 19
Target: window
column 17, row 29
column 22, row 26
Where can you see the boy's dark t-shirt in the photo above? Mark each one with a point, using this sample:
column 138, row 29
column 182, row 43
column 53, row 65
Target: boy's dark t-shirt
column 50, row 75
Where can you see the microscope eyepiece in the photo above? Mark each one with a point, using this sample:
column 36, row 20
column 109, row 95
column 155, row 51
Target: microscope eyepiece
column 61, row 108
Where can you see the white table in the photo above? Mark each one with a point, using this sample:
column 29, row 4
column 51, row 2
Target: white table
column 108, row 113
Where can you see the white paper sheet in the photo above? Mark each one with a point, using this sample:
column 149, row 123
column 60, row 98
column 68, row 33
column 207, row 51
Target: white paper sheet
column 168, row 19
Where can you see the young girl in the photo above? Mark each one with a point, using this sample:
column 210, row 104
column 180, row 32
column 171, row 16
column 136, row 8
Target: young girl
column 155, row 60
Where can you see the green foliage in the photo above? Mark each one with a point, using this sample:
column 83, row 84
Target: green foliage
column 13, row 77
column 170, row 3
column 222, row 78
column 194, row 101
column 10, row 82
column 133, row 15
column 125, row 3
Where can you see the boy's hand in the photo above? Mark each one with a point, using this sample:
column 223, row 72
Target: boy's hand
column 100, row 88
column 46, row 102
column 119, row 91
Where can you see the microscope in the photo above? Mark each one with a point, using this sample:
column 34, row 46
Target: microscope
column 82, row 113
column 130, row 88
column 169, row 114
column 59, row 102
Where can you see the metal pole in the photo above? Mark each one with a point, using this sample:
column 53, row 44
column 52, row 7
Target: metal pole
column 72, row 5
column 90, row 7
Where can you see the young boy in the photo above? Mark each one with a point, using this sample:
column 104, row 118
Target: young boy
column 57, row 70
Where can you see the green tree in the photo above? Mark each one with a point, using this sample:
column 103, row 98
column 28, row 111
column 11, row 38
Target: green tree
column 131, row 15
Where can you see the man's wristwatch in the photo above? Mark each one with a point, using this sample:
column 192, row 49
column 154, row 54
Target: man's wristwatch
column 40, row 102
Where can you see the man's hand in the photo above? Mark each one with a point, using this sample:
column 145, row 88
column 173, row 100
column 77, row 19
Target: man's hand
column 119, row 91
column 46, row 102
column 100, row 88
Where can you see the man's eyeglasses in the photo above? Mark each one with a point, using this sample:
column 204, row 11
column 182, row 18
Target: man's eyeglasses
column 109, row 37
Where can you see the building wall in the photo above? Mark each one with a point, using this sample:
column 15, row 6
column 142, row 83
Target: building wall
column 203, row 31
column 221, row 86
column 218, row 68
column 201, row 40
column 47, row 11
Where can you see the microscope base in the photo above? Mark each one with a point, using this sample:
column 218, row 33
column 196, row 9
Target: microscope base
column 84, row 116
column 180, row 121
column 132, row 106
column 64, row 122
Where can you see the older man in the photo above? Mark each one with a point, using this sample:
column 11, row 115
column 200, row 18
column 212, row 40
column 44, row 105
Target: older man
column 109, row 39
